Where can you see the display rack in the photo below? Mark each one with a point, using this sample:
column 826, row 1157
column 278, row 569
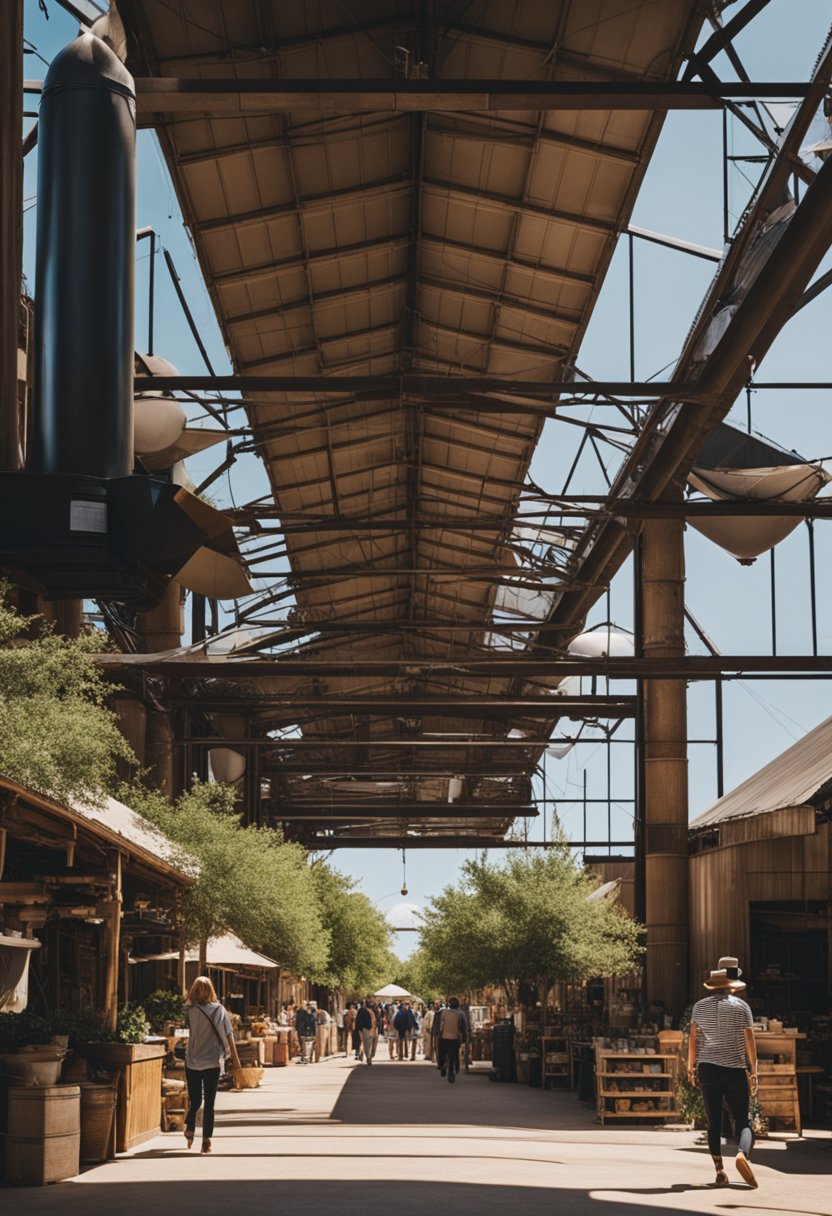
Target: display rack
column 635, row 1085
column 777, row 1070
column 554, row 1050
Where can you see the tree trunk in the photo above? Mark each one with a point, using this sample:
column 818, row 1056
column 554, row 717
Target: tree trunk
column 203, row 955
column 181, row 980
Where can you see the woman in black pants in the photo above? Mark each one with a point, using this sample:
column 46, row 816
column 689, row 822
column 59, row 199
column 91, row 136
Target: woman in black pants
column 209, row 1040
column 722, row 1054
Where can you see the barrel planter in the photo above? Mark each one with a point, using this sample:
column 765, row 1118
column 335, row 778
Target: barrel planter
column 139, row 1106
column 44, row 1134
column 98, row 1107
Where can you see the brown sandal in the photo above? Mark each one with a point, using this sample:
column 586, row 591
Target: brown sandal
column 189, row 1138
column 206, row 1145
column 722, row 1178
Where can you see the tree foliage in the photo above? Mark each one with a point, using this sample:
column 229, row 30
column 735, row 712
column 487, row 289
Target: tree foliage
column 250, row 881
column 416, row 974
column 359, row 935
column 527, row 918
column 56, row 734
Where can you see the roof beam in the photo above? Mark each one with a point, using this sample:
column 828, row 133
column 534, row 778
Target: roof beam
column 314, row 258
column 403, row 810
column 515, row 133
column 553, row 706
column 328, row 198
column 309, row 302
column 691, row 667
column 250, row 95
column 403, row 841
column 520, row 206
column 419, row 384
column 347, row 768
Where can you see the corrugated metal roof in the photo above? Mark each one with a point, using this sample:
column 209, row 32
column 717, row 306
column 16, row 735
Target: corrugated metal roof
column 387, row 243
column 792, row 779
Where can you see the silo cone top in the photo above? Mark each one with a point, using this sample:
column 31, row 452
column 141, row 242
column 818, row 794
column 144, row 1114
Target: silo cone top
column 88, row 63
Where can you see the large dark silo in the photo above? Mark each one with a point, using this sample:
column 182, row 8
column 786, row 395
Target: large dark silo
column 83, row 417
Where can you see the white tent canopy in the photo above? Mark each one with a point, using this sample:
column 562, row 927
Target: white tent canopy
column 393, row 992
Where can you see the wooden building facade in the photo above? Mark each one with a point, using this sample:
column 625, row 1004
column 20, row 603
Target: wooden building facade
column 85, row 885
column 761, row 881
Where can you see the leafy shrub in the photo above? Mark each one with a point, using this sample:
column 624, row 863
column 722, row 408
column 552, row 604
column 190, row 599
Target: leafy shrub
column 82, row 1026
column 18, row 1029
column 163, row 1006
column 132, row 1025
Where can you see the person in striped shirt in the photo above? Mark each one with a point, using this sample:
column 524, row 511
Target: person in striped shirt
column 722, row 1059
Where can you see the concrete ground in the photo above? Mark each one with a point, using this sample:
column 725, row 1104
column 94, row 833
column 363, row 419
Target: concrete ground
column 341, row 1138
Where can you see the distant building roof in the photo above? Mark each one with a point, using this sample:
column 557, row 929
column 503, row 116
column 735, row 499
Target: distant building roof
column 225, row 951
column 792, row 779
column 121, row 820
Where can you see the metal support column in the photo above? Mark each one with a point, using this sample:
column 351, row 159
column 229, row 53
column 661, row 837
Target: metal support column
column 11, row 225
column 665, row 795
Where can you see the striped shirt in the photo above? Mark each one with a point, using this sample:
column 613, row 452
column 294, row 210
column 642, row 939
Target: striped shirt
column 720, row 1021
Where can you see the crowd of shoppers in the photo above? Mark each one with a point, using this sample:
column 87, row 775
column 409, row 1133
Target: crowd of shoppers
column 435, row 1032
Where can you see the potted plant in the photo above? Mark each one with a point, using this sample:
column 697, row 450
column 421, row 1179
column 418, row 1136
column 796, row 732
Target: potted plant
column 163, row 1008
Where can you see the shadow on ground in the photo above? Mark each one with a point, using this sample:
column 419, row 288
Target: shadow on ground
column 222, row 1197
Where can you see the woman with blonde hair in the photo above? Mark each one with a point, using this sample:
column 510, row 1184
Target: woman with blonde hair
column 210, row 1039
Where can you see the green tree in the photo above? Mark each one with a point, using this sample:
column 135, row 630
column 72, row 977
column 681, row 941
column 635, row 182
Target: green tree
column 56, row 734
column 359, row 935
column 525, row 919
column 416, row 974
column 250, row 881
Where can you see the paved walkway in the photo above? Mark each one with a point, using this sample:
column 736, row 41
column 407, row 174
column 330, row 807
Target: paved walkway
column 340, row 1139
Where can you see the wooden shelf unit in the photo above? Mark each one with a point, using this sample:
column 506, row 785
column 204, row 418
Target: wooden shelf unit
column 555, row 1057
column 626, row 1069
column 777, row 1092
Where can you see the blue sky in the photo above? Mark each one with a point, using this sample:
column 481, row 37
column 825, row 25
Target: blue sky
column 681, row 196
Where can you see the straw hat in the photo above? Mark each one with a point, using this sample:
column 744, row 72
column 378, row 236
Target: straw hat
column 726, row 977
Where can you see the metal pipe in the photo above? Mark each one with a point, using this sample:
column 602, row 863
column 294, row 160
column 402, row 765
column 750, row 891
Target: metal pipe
column 11, row 228
column 773, row 589
column 720, row 758
column 810, row 524
column 192, row 325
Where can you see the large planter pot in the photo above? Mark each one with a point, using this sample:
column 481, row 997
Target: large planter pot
column 139, row 1106
column 98, row 1106
column 44, row 1133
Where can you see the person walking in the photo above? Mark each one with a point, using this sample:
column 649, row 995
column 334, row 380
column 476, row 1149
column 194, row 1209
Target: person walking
column 415, row 1033
column 453, row 1031
column 365, row 1021
column 306, row 1028
column 339, row 1024
column 322, row 1024
column 352, row 1039
column 434, row 1032
column 722, row 1061
column 427, row 1026
column 210, row 1039
column 390, row 1032
column 378, row 1016
column 403, row 1023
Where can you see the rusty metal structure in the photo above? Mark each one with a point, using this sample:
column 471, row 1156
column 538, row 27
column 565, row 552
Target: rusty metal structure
column 404, row 213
